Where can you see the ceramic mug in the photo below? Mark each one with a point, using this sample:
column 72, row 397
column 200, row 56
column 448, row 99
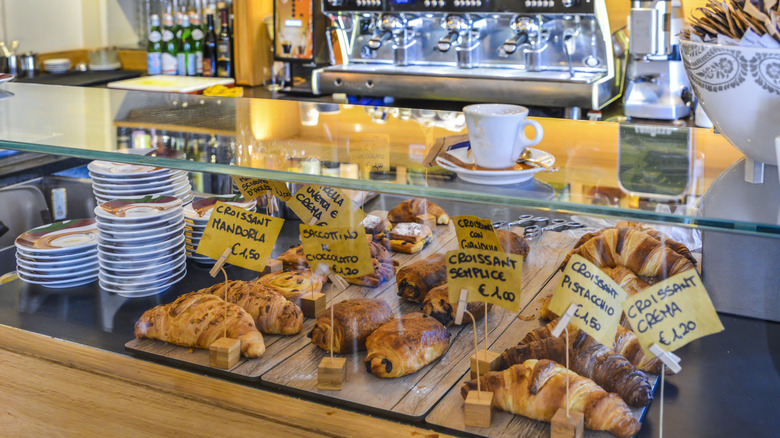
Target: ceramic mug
column 497, row 133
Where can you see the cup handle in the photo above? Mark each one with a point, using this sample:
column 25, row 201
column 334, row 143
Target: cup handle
column 539, row 133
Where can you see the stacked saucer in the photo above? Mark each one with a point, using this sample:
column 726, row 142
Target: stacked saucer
column 141, row 245
column 58, row 255
column 196, row 217
column 120, row 181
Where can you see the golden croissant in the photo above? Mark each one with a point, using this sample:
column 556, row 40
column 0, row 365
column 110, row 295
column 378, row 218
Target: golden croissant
column 197, row 320
column 272, row 313
column 354, row 321
column 537, row 389
column 407, row 211
column 403, row 346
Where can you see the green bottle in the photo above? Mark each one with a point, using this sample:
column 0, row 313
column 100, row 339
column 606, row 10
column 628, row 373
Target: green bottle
column 197, row 42
column 154, row 48
column 186, row 54
column 169, row 46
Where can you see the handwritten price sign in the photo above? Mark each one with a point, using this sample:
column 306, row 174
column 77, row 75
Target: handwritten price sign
column 325, row 206
column 251, row 188
column 491, row 277
column 597, row 296
column 344, row 250
column 476, row 233
column 672, row 313
column 251, row 236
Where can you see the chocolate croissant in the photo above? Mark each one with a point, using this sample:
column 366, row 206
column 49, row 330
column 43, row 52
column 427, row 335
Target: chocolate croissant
column 197, row 320
column 272, row 313
column 437, row 304
column 588, row 358
column 407, row 211
column 403, row 346
column 416, row 279
column 537, row 389
column 354, row 320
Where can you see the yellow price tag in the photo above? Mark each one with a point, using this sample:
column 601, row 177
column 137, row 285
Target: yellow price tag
column 251, row 236
column 672, row 313
column 597, row 296
column 477, row 233
column 370, row 151
column 491, row 277
column 251, row 188
column 325, row 206
column 344, row 250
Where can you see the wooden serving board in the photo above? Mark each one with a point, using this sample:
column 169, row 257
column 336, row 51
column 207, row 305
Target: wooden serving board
column 448, row 413
column 412, row 396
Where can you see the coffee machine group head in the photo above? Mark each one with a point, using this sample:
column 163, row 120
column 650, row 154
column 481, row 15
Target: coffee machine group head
column 532, row 52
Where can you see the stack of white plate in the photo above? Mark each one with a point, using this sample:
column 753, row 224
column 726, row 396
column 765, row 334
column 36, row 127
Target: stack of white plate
column 141, row 245
column 58, row 255
column 122, row 181
column 196, row 217
column 56, row 65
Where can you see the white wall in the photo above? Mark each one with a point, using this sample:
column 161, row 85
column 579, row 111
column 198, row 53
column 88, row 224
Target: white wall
column 54, row 25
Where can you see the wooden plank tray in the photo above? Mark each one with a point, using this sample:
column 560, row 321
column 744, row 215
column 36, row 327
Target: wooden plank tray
column 278, row 347
column 448, row 413
column 411, row 397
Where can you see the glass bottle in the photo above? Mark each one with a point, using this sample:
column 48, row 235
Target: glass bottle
column 154, row 48
column 210, row 48
column 197, row 42
column 169, row 46
column 224, row 47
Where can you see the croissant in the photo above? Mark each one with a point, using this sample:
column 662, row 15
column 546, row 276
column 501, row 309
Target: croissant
column 678, row 247
column 353, row 320
column 293, row 284
column 197, row 320
column 591, row 359
column 646, row 256
column 407, row 211
column 405, row 345
column 293, row 259
column 437, row 304
column 416, row 279
column 537, row 389
column 513, row 243
column 626, row 344
column 272, row 313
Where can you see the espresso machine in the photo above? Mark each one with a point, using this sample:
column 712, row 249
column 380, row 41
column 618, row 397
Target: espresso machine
column 533, row 52
column 299, row 42
column 657, row 86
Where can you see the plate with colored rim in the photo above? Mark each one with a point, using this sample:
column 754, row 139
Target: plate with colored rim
column 206, row 206
column 59, row 237
column 497, row 176
column 141, row 227
column 125, row 170
column 138, row 209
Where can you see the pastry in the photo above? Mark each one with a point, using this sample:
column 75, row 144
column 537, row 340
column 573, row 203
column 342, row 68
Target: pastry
column 513, row 243
column 272, row 313
column 293, row 284
column 626, row 344
column 437, row 304
column 407, row 211
column 678, row 247
column 537, row 389
column 634, row 249
column 197, row 320
column 353, row 320
column 588, row 358
column 405, row 345
column 416, row 279
column 293, row 259
column 409, row 237
column 378, row 228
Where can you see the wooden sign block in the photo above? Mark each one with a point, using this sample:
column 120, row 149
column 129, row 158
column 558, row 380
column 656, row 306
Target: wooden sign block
column 562, row 426
column 224, row 353
column 272, row 266
column 313, row 305
column 488, row 361
column 332, row 373
column 478, row 411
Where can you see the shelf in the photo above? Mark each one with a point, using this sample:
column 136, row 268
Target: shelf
column 82, row 122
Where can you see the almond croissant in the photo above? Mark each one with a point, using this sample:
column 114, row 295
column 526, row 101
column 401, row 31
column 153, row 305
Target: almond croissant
column 272, row 313
column 197, row 320
column 591, row 359
column 537, row 389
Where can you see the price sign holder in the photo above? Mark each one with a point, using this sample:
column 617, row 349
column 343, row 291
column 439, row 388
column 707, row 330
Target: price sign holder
column 332, row 371
column 478, row 407
column 313, row 304
column 225, row 352
column 566, row 424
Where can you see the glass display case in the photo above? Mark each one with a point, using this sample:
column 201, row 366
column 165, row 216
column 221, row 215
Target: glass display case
column 685, row 182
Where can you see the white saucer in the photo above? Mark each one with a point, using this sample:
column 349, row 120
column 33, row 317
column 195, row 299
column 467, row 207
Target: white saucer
column 494, row 177
column 65, row 237
column 125, row 170
column 142, row 210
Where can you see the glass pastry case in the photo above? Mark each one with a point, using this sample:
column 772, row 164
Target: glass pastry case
column 175, row 155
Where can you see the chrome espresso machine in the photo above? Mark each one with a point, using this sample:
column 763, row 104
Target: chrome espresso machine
column 533, row 52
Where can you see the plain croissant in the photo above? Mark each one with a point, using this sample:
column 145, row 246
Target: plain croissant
column 591, row 359
column 537, row 389
column 272, row 313
column 407, row 211
column 644, row 255
column 197, row 320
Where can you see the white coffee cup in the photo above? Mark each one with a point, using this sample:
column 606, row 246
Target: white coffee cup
column 497, row 133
